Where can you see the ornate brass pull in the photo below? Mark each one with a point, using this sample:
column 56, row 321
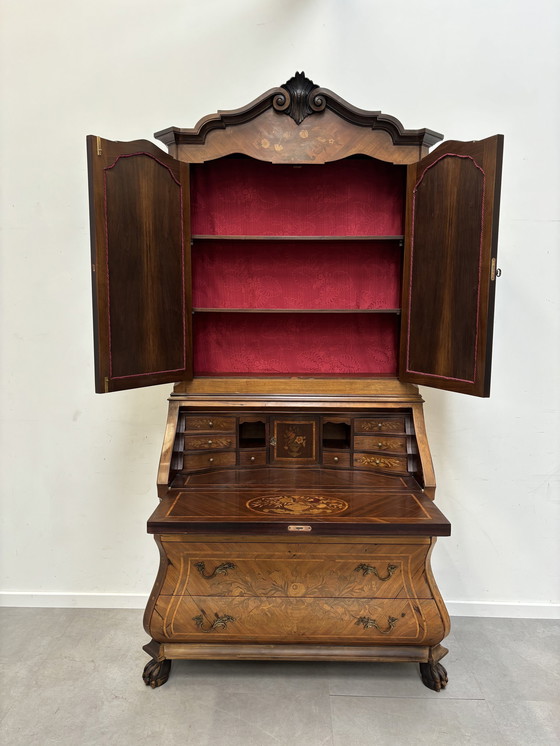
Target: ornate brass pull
column 367, row 569
column 218, row 570
column 220, row 622
column 368, row 623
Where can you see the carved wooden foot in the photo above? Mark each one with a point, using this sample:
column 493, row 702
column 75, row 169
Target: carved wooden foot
column 156, row 673
column 434, row 675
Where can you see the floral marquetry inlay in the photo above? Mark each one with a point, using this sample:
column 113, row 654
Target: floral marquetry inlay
column 387, row 463
column 297, row 504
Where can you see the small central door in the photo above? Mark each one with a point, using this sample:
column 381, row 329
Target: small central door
column 294, row 441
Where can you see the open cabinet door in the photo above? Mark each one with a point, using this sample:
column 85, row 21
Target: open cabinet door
column 140, row 241
column 452, row 209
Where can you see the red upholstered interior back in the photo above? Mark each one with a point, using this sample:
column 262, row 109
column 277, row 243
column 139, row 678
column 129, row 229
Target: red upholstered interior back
column 295, row 344
column 346, row 198
column 242, row 197
column 296, row 274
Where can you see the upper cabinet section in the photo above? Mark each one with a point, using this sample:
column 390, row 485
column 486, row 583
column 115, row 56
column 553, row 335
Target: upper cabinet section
column 282, row 126
column 296, row 236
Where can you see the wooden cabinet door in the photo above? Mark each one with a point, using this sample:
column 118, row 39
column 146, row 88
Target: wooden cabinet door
column 450, row 266
column 140, row 237
column 294, row 441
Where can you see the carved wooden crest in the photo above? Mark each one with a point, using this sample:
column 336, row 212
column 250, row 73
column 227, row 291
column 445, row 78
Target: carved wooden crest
column 299, row 101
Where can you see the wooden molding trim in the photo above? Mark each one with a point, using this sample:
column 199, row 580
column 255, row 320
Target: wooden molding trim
column 299, row 98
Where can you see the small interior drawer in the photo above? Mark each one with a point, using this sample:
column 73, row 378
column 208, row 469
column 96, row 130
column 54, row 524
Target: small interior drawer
column 388, row 444
column 336, row 458
column 209, row 423
column 209, row 442
column 379, row 425
column 208, row 461
column 252, row 458
column 395, row 464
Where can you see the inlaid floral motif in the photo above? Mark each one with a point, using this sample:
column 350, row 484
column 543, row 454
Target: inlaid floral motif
column 294, row 441
column 297, row 504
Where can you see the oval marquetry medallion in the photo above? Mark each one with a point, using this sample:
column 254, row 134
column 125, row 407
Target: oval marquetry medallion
column 297, row 504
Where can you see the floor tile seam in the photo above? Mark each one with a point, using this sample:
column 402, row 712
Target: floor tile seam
column 415, row 697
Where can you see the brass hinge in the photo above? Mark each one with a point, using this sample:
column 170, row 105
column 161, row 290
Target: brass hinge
column 99, row 149
column 493, row 271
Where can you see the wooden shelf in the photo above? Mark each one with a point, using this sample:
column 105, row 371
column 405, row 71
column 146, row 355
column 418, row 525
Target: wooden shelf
column 395, row 311
column 199, row 237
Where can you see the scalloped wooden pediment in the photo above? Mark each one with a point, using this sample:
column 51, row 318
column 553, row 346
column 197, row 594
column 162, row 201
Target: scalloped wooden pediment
column 299, row 122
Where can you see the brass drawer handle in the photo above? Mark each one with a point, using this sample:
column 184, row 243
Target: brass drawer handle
column 220, row 622
column 218, row 570
column 367, row 569
column 369, row 623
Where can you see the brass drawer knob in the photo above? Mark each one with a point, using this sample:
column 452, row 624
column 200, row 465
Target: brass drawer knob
column 210, row 442
column 380, row 444
column 211, row 460
column 252, row 458
column 218, row 570
column 369, row 623
column 367, row 569
column 220, row 622
column 335, row 459
column 210, row 423
column 377, row 461
column 379, row 425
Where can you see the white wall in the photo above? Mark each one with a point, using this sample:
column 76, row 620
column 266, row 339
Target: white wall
column 78, row 470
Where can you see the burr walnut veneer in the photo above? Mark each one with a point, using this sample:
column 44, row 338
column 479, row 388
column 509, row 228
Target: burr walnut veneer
column 296, row 267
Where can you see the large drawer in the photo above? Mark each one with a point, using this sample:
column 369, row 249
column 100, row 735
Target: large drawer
column 253, row 569
column 278, row 620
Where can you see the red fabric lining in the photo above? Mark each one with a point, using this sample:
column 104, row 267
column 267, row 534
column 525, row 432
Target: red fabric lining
column 321, row 274
column 295, row 344
column 248, row 197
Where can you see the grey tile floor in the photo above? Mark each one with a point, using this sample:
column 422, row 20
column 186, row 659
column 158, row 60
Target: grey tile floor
column 73, row 676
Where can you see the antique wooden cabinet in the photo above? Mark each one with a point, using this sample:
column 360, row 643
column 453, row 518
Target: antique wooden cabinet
column 296, row 267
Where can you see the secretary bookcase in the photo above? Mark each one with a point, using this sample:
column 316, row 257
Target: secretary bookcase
column 295, row 267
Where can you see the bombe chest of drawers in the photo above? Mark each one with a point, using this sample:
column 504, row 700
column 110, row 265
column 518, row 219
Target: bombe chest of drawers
column 296, row 267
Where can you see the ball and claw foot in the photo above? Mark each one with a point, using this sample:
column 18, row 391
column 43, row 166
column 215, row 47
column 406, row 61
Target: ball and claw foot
column 434, row 676
column 156, row 673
